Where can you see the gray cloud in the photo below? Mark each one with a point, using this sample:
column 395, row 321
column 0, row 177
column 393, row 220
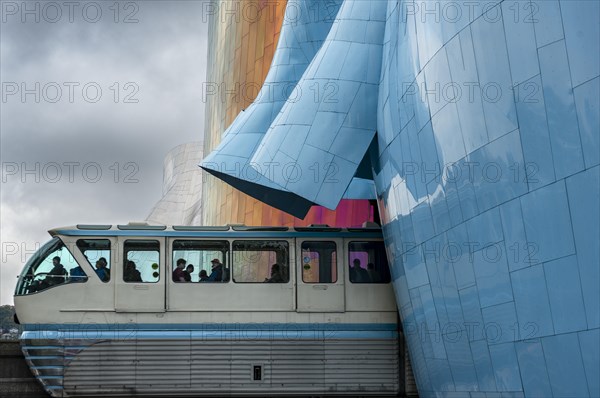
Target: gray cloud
column 160, row 61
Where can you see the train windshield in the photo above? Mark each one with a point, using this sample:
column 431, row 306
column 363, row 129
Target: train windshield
column 50, row 266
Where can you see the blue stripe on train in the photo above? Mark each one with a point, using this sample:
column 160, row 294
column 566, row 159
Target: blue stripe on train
column 242, row 331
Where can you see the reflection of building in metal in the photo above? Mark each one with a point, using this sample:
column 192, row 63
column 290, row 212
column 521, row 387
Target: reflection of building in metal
column 241, row 48
column 181, row 203
column 486, row 166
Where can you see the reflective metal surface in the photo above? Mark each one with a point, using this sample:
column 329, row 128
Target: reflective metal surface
column 486, row 170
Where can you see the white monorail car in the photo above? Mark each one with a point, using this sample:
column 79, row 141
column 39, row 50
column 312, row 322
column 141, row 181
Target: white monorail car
column 106, row 310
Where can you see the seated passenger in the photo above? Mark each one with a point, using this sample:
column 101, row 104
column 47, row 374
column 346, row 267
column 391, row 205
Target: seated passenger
column 101, row 270
column 130, row 273
column 187, row 274
column 179, row 273
column 203, row 276
column 216, row 274
column 58, row 274
column 77, row 275
column 357, row 273
column 276, row 276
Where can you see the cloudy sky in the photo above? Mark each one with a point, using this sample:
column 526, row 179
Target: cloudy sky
column 93, row 97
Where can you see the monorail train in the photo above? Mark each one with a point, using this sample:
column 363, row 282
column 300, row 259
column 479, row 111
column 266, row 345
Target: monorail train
column 116, row 310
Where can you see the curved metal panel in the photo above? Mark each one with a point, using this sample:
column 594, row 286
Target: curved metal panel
column 322, row 136
column 305, row 27
column 485, row 179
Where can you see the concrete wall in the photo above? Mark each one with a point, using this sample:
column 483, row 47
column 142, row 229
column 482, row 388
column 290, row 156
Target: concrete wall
column 16, row 380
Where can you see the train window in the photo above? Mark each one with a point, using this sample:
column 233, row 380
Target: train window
column 368, row 263
column 141, row 261
column 319, row 262
column 97, row 253
column 261, row 261
column 200, row 255
column 47, row 268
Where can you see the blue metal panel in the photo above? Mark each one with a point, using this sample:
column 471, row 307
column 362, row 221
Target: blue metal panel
column 483, row 366
column 484, row 230
column 590, row 352
column 439, row 90
column 432, row 326
column 494, row 76
column 506, row 367
column 560, row 109
column 464, row 75
column 515, row 241
column 410, row 137
column 420, row 324
column 533, row 369
column 493, row 170
column 430, row 168
column 460, row 257
column 453, row 202
column 566, row 301
column 414, row 267
column 565, row 366
column 582, row 35
column 547, row 21
column 422, row 221
column 551, row 236
column 461, row 366
column 531, row 300
column 509, row 394
column 466, row 193
column 520, row 43
column 442, row 377
column 446, row 128
column 584, row 199
column 587, row 102
column 500, row 323
column 474, row 326
column 491, row 275
column 535, row 138
column 439, row 207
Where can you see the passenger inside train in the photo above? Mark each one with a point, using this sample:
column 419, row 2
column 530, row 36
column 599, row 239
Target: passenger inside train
column 187, row 274
column 131, row 274
column 179, row 272
column 203, row 275
column 102, row 270
column 276, row 276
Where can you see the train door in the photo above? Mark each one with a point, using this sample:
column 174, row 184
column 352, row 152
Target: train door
column 140, row 275
column 320, row 275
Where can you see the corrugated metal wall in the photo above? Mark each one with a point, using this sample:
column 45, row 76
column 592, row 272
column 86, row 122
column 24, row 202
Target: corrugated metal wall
column 201, row 367
column 410, row 384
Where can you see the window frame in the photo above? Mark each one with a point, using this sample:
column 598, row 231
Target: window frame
column 287, row 265
column 125, row 260
column 36, row 260
column 88, row 261
column 349, row 268
column 302, row 265
column 225, row 260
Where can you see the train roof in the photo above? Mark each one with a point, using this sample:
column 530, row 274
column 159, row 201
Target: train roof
column 368, row 230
